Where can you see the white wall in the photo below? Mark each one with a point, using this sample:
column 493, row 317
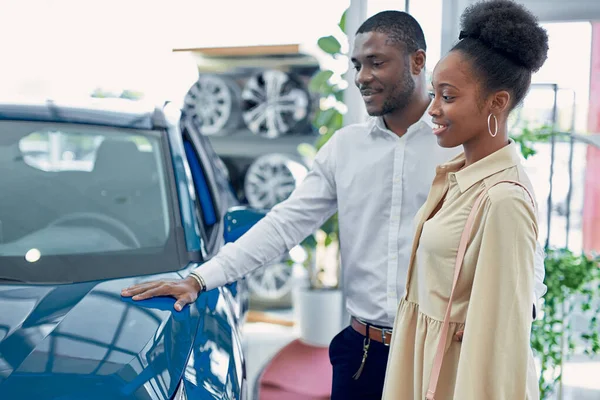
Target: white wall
column 357, row 13
column 545, row 10
column 567, row 23
column 563, row 10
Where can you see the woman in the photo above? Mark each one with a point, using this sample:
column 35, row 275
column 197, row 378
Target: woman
column 484, row 345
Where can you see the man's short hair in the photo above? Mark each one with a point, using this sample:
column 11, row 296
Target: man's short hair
column 400, row 27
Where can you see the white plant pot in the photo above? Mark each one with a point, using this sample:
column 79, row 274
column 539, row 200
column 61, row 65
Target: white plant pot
column 318, row 314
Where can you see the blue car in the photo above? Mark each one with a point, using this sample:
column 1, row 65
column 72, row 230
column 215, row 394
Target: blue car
column 94, row 198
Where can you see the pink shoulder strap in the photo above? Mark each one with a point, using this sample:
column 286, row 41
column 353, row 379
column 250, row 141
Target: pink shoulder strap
column 462, row 247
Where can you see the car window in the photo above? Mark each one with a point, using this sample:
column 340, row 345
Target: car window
column 75, row 189
column 205, row 197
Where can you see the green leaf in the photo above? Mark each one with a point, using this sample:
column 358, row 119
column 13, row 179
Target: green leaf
column 324, row 117
column 323, row 139
column 331, row 227
column 131, row 94
column 568, row 277
column 342, row 23
column 310, row 242
column 336, row 122
column 307, row 150
column 330, row 45
column 319, row 80
column 328, row 240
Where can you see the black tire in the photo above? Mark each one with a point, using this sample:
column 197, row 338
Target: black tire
column 270, row 179
column 213, row 105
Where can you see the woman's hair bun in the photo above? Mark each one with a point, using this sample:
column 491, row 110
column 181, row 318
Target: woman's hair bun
column 509, row 28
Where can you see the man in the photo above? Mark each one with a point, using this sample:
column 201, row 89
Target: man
column 376, row 175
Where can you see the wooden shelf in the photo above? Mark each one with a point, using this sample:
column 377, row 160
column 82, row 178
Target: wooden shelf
column 223, row 59
column 244, row 51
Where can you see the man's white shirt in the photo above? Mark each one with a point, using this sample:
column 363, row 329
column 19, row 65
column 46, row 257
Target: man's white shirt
column 377, row 182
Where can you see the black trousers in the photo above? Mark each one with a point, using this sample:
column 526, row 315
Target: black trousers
column 345, row 354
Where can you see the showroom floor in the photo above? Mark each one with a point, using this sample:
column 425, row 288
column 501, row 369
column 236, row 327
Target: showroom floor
column 263, row 341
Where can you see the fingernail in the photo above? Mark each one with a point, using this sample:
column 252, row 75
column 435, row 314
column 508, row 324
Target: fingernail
column 177, row 307
column 136, row 297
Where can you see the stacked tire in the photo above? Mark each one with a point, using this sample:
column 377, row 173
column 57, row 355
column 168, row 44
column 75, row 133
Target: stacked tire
column 270, row 103
column 266, row 104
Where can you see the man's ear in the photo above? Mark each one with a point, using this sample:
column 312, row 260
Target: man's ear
column 417, row 61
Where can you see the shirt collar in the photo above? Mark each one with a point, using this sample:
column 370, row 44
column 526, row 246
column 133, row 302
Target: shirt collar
column 500, row 160
column 378, row 124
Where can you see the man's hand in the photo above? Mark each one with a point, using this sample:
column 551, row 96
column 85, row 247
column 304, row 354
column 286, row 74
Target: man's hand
column 184, row 290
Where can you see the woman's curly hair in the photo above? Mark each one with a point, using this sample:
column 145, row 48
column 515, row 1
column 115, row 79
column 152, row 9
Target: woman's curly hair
column 505, row 44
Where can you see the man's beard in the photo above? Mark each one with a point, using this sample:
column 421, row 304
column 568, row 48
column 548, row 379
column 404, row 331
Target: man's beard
column 400, row 97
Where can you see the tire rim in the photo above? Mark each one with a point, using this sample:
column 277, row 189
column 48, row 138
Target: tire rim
column 210, row 100
column 271, row 179
column 272, row 281
column 276, row 280
column 274, row 103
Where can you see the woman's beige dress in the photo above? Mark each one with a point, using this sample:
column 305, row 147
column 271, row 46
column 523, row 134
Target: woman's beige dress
column 494, row 295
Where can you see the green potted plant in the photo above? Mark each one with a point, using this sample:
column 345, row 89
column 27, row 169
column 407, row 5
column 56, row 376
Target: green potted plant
column 573, row 282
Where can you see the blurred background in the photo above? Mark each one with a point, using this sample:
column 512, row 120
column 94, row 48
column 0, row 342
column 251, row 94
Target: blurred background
column 224, row 62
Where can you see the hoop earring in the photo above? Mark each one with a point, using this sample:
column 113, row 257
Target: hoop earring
column 495, row 125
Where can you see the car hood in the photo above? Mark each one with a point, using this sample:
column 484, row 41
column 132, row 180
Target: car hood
column 84, row 340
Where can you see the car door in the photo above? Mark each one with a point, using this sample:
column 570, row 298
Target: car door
column 213, row 199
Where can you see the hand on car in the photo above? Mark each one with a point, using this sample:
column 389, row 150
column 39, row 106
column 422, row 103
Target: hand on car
column 185, row 291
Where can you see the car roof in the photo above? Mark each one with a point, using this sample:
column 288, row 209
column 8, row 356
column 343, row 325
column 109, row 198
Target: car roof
column 122, row 113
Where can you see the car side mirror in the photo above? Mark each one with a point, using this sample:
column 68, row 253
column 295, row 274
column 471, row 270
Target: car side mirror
column 238, row 220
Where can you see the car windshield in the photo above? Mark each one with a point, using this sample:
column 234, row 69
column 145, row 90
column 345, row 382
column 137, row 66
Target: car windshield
column 82, row 202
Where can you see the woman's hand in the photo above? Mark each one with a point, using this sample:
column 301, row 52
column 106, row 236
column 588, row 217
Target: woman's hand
column 185, row 291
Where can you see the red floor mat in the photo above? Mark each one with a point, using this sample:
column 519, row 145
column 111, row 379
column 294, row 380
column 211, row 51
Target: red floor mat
column 297, row 372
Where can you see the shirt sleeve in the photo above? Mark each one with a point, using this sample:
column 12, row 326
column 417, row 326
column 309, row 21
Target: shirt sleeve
column 494, row 361
column 540, row 274
column 286, row 224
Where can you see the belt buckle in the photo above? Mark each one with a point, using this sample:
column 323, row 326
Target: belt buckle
column 385, row 332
